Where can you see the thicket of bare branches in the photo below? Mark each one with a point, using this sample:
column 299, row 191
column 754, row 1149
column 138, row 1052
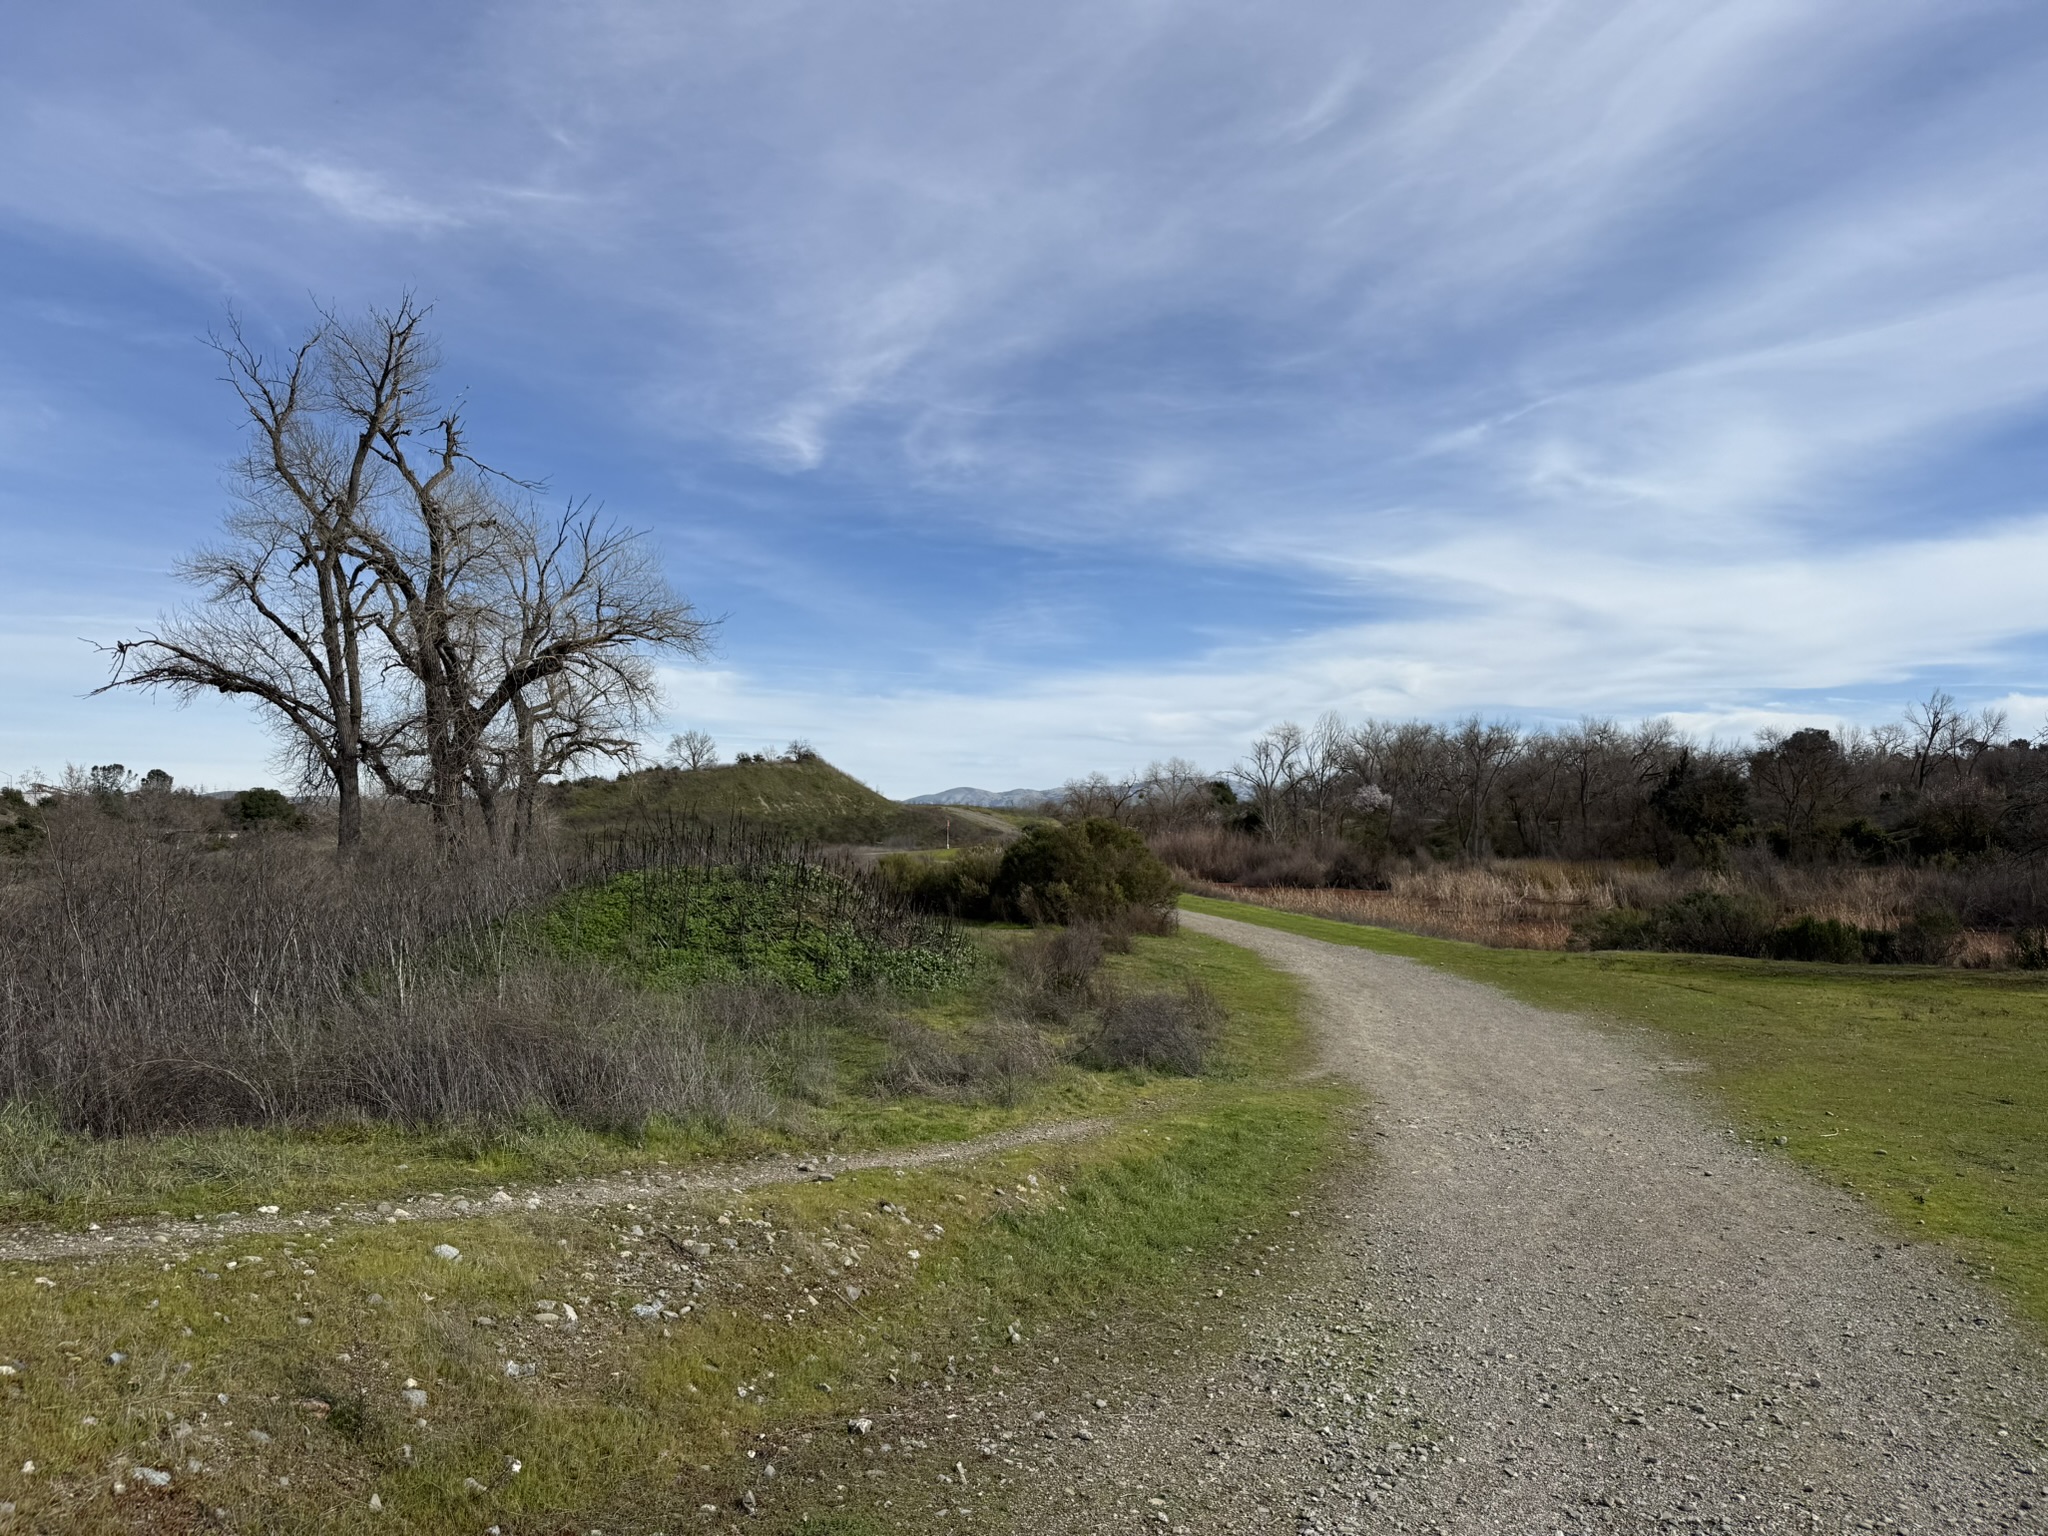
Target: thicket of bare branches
column 400, row 609
column 159, row 977
column 1942, row 784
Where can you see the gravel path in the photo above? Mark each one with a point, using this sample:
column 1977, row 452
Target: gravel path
column 1564, row 1300
column 35, row 1245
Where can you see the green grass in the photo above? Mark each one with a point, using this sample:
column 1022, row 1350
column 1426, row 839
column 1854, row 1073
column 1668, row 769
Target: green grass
column 1924, row 1090
column 807, row 801
column 630, row 1425
column 806, row 928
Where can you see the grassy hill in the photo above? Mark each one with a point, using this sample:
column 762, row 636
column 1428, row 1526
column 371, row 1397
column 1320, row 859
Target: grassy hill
column 809, row 799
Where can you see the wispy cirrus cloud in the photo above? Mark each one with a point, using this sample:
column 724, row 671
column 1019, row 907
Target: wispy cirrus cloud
column 1027, row 381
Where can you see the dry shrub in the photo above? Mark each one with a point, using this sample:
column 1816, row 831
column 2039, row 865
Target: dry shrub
column 995, row 1062
column 157, row 984
column 577, row 1043
column 1058, row 966
column 535, row 1039
column 1155, row 1032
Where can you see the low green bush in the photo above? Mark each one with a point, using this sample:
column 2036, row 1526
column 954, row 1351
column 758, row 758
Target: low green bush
column 1084, row 871
column 810, row 929
column 1093, row 871
column 1931, row 938
column 1824, row 940
column 1699, row 923
column 262, row 807
column 1617, row 928
column 1714, row 923
column 1710, row 923
column 959, row 886
column 2030, row 949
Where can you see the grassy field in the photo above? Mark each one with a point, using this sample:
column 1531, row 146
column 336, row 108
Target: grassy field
column 809, row 801
column 268, row 1382
column 1924, row 1090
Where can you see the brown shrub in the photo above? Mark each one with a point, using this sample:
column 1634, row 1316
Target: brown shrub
column 157, row 983
column 1155, row 1032
column 995, row 1062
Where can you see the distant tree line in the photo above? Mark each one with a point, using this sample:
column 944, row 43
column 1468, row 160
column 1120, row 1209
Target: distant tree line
column 1943, row 783
column 401, row 611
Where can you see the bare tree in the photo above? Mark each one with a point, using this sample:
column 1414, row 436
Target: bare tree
column 396, row 603
column 1804, row 778
column 1099, row 795
column 1482, row 752
column 288, row 593
column 1935, row 728
column 692, row 750
column 538, row 637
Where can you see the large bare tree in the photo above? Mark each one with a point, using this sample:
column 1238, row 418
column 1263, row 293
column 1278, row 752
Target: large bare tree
column 550, row 653
column 290, row 592
column 395, row 604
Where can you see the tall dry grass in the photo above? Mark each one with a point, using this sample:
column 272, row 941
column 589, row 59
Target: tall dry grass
column 1536, row 903
column 155, row 981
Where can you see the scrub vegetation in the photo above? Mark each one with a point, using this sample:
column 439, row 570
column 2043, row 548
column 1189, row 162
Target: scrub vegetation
column 210, row 1014
column 797, row 793
column 1922, row 842
column 637, row 1363
column 1088, row 870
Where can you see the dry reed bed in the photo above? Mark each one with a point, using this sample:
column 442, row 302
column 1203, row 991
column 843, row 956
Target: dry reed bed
column 1534, row 903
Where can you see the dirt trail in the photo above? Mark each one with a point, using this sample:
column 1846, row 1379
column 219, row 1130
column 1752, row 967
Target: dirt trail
column 1593, row 1309
column 33, row 1245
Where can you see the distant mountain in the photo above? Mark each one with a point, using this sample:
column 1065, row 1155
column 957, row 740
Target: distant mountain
column 1006, row 799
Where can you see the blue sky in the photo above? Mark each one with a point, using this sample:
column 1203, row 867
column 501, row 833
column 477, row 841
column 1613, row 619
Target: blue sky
column 1052, row 387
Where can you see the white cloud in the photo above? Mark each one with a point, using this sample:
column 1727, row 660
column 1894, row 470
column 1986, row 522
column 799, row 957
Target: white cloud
column 1578, row 354
column 358, row 194
column 1548, row 637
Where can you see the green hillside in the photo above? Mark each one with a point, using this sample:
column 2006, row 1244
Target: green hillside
column 808, row 799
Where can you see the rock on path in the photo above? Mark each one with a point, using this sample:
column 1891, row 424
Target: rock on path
column 1600, row 1312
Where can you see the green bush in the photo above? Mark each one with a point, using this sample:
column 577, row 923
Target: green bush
column 810, row 929
column 1930, row 938
column 1700, row 923
column 1093, row 870
column 956, row 887
column 1817, row 939
column 1617, row 928
column 1713, row 923
column 262, row 807
column 2030, row 949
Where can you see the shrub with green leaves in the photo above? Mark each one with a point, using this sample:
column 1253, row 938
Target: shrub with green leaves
column 1699, row 923
column 960, row 886
column 261, row 807
column 1617, row 928
column 1824, row 940
column 811, row 929
column 1931, row 938
column 1093, row 870
column 2030, row 949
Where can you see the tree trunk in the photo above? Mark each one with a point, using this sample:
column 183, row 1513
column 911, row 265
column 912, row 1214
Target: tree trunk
column 349, row 793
